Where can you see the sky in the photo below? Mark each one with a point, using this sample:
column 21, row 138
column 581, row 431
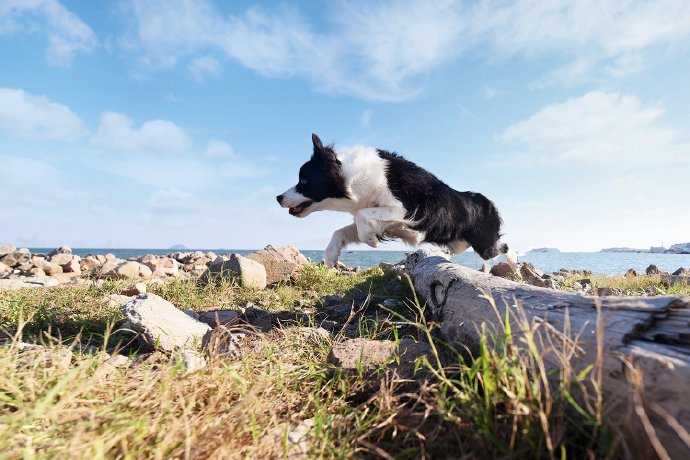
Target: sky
column 149, row 123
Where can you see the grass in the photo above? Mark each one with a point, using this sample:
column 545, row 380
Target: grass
column 501, row 403
column 634, row 285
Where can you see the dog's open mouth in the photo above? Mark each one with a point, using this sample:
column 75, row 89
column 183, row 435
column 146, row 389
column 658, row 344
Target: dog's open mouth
column 297, row 210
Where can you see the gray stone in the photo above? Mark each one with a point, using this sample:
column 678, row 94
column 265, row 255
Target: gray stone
column 366, row 352
column 7, row 248
column 652, row 270
column 294, row 440
column 162, row 324
column 682, row 272
column 631, row 272
column 247, row 272
column 281, row 264
column 61, row 258
column 219, row 317
column 137, row 289
column 193, row 360
column 330, row 300
column 4, row 268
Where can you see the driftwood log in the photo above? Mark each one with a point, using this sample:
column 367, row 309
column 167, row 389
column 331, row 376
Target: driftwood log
column 652, row 333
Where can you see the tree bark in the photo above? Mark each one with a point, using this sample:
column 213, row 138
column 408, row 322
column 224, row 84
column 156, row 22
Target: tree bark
column 652, row 333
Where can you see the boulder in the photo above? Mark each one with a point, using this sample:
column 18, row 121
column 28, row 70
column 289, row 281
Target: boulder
column 652, row 270
column 101, row 258
column 245, row 271
column 631, row 272
column 145, row 272
column 61, row 258
column 162, row 266
column 216, row 318
column 682, row 272
column 128, row 270
column 504, row 270
column 532, row 275
column 72, row 266
column 353, row 353
column 4, row 268
column 193, row 360
column 14, row 259
column 163, row 325
column 7, row 248
column 280, row 263
column 51, row 268
column 89, row 263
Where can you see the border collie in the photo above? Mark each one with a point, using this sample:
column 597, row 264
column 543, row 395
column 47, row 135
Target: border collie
column 391, row 197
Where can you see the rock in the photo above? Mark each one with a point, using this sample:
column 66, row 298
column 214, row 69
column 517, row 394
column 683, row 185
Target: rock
column 391, row 303
column 330, row 300
column 193, row 360
column 4, row 268
column 192, row 313
column 216, row 318
column 366, row 352
column 89, row 263
column 116, row 360
column 585, row 282
column 137, row 289
column 247, row 272
column 51, row 268
column 681, row 272
column 110, row 256
column 58, row 357
column 14, row 259
column 61, row 258
column 7, row 248
column 577, row 286
column 163, row 325
column 60, row 250
column 504, row 270
column 145, row 272
column 534, row 276
column 101, row 258
column 603, row 291
column 670, row 280
column 162, row 266
column 652, row 270
column 36, row 271
column 293, row 440
column 485, row 268
column 72, row 267
column 654, row 290
column 23, row 282
column 128, row 270
column 631, row 272
column 280, row 263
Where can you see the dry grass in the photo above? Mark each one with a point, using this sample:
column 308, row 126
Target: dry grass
column 501, row 403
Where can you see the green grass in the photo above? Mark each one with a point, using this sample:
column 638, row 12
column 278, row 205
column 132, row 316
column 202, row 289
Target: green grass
column 634, row 285
column 499, row 404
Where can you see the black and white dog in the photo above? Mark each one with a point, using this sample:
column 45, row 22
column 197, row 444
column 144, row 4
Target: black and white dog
column 391, row 197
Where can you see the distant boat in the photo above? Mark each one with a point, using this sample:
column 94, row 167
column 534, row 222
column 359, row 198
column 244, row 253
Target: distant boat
column 543, row 250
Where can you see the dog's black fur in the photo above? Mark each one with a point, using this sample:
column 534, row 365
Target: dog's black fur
column 444, row 214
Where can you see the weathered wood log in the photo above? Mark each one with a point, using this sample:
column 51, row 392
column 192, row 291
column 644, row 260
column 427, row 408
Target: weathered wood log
column 652, row 333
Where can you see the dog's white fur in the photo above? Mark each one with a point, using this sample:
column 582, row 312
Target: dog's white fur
column 375, row 209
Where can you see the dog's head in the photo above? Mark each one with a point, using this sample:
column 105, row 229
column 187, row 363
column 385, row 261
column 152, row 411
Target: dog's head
column 319, row 179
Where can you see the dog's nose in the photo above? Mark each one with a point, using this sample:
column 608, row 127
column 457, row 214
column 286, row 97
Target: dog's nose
column 280, row 199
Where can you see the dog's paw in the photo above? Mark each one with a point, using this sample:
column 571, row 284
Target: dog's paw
column 329, row 263
column 330, row 257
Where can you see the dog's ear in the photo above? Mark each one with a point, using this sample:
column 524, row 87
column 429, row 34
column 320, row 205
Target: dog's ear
column 325, row 153
column 318, row 146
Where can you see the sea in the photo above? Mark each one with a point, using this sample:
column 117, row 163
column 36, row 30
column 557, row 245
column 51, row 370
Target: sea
column 600, row 263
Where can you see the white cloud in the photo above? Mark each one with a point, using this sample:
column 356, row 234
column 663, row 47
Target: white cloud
column 24, row 114
column 219, row 149
column 116, row 132
column 204, row 66
column 384, row 50
column 598, row 127
column 366, row 117
column 67, row 34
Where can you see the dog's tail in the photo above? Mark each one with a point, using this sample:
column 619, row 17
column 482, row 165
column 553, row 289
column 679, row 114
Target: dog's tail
column 511, row 256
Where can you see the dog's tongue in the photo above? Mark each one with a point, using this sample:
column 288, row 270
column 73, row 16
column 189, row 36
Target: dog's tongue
column 295, row 210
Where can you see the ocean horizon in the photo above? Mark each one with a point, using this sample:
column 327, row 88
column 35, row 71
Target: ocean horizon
column 600, row 263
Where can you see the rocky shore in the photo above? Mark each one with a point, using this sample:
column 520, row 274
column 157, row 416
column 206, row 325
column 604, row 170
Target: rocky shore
column 19, row 268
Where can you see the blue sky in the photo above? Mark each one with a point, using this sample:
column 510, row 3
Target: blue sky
column 150, row 123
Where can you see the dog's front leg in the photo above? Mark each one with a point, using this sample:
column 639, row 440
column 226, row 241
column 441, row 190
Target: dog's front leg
column 339, row 240
column 367, row 231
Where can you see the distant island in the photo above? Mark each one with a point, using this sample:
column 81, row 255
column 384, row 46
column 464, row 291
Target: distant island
column 679, row 248
column 178, row 247
column 542, row 250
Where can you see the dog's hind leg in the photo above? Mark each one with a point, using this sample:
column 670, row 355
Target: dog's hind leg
column 372, row 222
column 339, row 240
